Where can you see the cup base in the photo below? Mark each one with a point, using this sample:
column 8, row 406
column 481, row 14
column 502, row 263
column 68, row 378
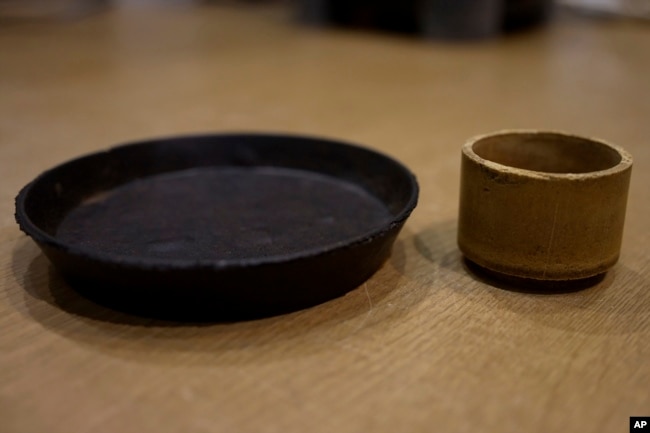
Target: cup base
column 530, row 285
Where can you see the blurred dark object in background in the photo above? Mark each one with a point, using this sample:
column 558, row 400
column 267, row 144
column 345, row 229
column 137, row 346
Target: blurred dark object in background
column 520, row 14
column 444, row 19
column 48, row 9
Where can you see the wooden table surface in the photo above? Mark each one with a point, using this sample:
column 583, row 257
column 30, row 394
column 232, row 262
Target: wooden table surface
column 423, row 345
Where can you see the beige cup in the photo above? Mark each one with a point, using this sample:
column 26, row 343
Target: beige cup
column 542, row 205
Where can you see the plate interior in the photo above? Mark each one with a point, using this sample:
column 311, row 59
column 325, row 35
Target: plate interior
column 223, row 213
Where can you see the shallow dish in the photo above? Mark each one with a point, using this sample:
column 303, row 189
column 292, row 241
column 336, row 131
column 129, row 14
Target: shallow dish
column 219, row 226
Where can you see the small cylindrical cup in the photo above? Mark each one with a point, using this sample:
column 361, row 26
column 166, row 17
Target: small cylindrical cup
column 542, row 205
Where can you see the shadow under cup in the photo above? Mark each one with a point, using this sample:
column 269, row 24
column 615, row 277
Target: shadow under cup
column 542, row 205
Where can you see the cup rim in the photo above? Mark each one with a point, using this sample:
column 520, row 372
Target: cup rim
column 468, row 150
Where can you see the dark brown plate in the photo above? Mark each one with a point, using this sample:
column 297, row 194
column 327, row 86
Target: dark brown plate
column 219, row 226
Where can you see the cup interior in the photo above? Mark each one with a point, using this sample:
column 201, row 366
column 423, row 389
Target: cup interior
column 547, row 152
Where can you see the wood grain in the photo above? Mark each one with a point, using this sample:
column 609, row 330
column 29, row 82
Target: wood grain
column 425, row 344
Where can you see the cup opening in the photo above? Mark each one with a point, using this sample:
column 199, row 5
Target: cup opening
column 547, row 152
